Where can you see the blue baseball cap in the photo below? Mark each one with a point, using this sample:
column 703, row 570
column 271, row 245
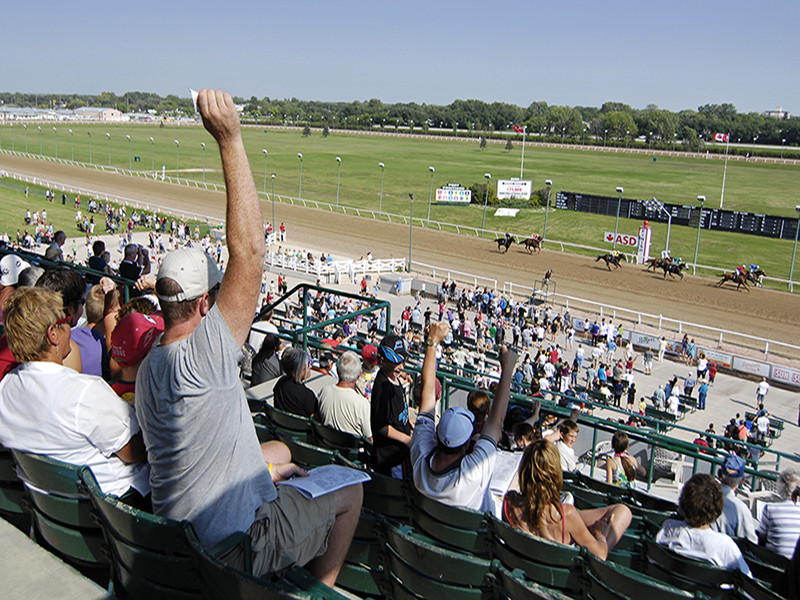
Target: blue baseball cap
column 733, row 466
column 393, row 348
column 455, row 427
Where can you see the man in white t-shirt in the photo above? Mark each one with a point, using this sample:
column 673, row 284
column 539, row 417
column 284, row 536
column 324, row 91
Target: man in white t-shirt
column 340, row 405
column 761, row 391
column 443, row 466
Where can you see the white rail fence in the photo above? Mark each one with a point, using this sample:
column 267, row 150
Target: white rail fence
column 335, row 269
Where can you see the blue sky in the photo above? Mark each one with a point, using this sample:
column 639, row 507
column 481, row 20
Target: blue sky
column 675, row 54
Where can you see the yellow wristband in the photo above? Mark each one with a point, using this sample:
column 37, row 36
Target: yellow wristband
column 269, row 468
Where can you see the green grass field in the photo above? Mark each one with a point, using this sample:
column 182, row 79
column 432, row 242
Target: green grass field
column 749, row 187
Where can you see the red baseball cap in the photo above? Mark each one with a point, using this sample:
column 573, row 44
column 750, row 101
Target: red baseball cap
column 369, row 353
column 134, row 336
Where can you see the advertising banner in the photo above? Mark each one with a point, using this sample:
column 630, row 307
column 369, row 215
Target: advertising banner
column 754, row 367
column 453, row 193
column 622, row 239
column 514, row 189
column 786, row 375
column 723, row 359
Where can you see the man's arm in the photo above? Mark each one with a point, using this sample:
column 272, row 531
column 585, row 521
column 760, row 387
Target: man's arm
column 133, row 452
column 238, row 295
column 494, row 422
column 436, row 333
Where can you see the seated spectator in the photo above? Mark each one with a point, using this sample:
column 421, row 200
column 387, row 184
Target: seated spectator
column 443, row 466
column 779, row 529
column 97, row 262
column 537, row 508
column 131, row 340
column 72, row 287
column 290, row 392
column 701, row 503
column 369, row 370
column 208, row 466
column 266, row 363
column 261, row 328
column 479, row 402
column 391, row 428
column 621, row 469
column 11, row 266
column 46, row 408
column 736, row 520
column 565, row 440
column 340, row 405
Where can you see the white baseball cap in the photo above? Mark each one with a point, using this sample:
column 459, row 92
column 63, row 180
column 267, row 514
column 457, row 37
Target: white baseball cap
column 192, row 269
column 11, row 266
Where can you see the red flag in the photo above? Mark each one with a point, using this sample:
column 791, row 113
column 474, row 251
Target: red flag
column 519, row 129
column 721, row 137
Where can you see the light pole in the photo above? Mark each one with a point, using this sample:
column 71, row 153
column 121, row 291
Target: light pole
column 616, row 224
column 783, row 143
column 430, row 196
column 177, row 160
column 273, row 202
column 72, row 137
column 12, row 137
column 108, row 137
column 153, row 157
column 55, row 133
column 39, row 127
column 300, row 188
column 488, row 177
column 25, row 127
column 89, row 133
column 130, row 164
column 380, row 202
column 794, row 252
column 701, row 200
column 627, row 136
column 549, row 184
column 338, row 177
column 265, row 153
column 203, row 146
column 605, row 133
column 411, row 233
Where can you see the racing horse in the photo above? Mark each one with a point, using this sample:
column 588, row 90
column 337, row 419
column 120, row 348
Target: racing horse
column 611, row 259
column 673, row 269
column 657, row 263
column 738, row 278
column 755, row 276
column 531, row 244
column 504, row 242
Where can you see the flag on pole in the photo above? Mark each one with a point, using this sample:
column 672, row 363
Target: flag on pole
column 721, row 137
column 519, row 129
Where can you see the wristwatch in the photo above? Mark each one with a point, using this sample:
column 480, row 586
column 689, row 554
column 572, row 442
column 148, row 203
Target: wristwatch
column 430, row 342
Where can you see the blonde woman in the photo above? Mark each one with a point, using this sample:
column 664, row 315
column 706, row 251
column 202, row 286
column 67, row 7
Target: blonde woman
column 537, row 507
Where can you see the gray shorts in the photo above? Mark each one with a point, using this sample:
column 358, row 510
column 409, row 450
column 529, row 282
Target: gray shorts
column 290, row 531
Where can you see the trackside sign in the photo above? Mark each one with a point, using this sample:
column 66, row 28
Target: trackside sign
column 514, row 189
column 623, row 239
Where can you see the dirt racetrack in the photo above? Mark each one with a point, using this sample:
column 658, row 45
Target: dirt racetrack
column 760, row 312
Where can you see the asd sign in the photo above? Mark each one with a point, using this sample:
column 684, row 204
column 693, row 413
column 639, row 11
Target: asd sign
column 622, row 239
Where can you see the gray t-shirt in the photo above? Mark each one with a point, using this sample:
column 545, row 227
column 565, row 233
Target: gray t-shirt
column 205, row 460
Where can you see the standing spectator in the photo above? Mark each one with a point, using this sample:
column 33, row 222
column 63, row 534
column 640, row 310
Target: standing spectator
column 761, row 391
column 662, row 348
column 702, row 394
column 648, row 361
column 712, row 372
column 689, row 383
column 205, row 458
column 340, row 405
column 702, row 365
column 391, row 428
column 779, row 529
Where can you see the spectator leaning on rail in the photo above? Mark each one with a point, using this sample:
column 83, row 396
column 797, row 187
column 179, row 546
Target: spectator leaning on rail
column 207, row 464
column 443, row 468
column 340, row 405
column 47, row 408
column 736, row 519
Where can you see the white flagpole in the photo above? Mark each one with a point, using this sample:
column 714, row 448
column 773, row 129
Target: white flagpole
column 522, row 165
column 725, row 169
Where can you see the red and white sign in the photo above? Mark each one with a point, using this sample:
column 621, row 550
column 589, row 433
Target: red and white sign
column 514, row 188
column 786, row 375
column 721, row 137
column 622, row 238
column 519, row 129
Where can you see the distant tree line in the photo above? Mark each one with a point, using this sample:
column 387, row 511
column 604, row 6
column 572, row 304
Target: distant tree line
column 613, row 124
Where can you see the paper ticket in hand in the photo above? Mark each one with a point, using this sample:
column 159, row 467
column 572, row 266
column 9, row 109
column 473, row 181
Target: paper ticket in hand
column 194, row 98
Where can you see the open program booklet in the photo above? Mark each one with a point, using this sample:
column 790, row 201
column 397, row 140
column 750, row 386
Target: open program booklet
column 327, row 479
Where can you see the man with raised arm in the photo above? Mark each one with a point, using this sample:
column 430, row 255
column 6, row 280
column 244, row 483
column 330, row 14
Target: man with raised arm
column 206, row 462
column 443, row 466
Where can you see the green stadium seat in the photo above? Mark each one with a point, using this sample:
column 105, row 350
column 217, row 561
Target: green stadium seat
column 387, row 496
column 605, row 580
column 150, row 554
column 361, row 573
column 62, row 513
column 288, row 424
column 415, row 567
column 544, row 562
column 452, row 526
column 686, row 573
column 12, row 493
column 350, row 446
column 513, row 585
